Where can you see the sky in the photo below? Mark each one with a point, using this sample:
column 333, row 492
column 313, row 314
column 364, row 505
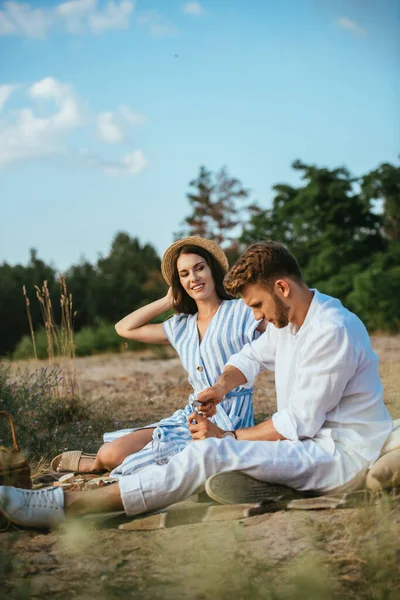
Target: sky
column 109, row 108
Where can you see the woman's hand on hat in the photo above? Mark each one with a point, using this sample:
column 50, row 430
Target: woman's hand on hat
column 170, row 298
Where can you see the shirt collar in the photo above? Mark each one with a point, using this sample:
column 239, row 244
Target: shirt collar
column 312, row 309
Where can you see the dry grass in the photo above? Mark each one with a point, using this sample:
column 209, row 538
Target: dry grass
column 60, row 337
column 318, row 555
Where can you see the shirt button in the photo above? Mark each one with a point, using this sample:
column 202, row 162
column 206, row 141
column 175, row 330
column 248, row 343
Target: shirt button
column 200, row 368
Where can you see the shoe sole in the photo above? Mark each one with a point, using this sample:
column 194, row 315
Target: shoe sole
column 236, row 487
column 9, row 516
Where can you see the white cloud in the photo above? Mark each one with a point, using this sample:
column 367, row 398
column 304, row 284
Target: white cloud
column 114, row 16
column 43, row 128
column 193, row 8
column 132, row 163
column 69, row 114
column 130, row 117
column 5, row 93
column 113, row 127
column 79, row 15
column 108, row 129
column 157, row 25
column 32, row 136
column 18, row 18
column 76, row 8
column 352, row 26
column 74, row 16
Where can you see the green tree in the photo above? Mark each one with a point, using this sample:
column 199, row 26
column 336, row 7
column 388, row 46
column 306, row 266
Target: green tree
column 327, row 224
column 128, row 277
column 216, row 201
column 14, row 323
column 83, row 284
column 384, row 184
column 376, row 294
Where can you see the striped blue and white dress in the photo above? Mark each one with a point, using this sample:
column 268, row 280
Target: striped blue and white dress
column 232, row 326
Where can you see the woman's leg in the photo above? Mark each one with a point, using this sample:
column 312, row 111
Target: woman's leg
column 112, row 454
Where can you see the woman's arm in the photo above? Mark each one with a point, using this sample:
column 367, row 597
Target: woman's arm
column 135, row 326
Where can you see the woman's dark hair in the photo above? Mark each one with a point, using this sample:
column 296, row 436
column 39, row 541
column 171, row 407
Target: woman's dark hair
column 183, row 303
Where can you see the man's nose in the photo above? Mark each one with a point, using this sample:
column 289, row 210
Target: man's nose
column 258, row 314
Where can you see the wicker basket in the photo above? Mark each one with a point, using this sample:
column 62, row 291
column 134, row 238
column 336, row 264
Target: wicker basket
column 14, row 468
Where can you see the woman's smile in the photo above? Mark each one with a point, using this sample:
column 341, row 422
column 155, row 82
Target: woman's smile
column 197, row 287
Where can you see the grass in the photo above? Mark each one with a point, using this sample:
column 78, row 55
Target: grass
column 14, row 584
column 59, row 342
column 345, row 554
column 46, row 422
column 60, row 338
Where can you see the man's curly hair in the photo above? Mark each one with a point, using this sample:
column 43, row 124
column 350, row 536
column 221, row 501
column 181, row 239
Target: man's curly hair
column 263, row 263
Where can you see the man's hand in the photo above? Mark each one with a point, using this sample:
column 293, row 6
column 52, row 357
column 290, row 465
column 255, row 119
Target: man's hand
column 209, row 398
column 203, row 428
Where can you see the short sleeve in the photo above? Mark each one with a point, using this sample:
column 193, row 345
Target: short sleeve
column 174, row 327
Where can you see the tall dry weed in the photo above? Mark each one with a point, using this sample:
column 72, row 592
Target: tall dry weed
column 60, row 337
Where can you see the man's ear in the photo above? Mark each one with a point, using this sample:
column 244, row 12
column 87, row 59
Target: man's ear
column 282, row 287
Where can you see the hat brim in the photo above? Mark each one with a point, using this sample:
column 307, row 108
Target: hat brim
column 167, row 263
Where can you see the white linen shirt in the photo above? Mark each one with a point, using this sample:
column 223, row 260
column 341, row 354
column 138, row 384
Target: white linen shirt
column 327, row 381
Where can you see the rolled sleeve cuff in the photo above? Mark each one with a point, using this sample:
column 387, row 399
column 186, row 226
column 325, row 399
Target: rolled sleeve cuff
column 285, row 424
column 246, row 367
column 132, row 494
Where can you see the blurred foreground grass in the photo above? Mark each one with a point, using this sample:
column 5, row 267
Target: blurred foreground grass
column 326, row 555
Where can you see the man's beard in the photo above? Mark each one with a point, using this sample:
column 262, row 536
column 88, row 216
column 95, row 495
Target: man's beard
column 281, row 313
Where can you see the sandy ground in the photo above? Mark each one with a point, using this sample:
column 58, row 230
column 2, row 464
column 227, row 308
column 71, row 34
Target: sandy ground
column 267, row 556
column 144, row 389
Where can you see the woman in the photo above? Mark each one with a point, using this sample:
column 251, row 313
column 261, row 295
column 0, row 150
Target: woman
column 208, row 328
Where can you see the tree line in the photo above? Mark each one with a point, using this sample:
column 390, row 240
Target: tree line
column 344, row 231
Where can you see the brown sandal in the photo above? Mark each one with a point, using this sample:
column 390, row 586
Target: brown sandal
column 70, row 462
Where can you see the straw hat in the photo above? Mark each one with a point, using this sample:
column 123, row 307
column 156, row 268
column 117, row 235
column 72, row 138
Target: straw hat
column 167, row 263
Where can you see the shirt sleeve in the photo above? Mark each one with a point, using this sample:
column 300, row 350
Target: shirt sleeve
column 256, row 357
column 173, row 328
column 328, row 361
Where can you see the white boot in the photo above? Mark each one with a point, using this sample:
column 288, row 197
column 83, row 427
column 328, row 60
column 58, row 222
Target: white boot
column 32, row 508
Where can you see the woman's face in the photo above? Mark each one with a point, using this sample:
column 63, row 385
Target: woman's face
column 195, row 276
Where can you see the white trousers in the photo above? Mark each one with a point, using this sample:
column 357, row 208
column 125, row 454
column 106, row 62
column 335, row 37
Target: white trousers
column 302, row 465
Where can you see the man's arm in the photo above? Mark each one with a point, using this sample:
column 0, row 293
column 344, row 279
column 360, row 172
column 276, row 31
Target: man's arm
column 201, row 428
column 263, row 432
column 327, row 362
column 230, row 378
column 241, row 370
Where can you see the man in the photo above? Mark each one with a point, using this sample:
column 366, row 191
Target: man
column 330, row 424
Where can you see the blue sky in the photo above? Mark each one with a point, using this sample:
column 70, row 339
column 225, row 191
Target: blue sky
column 107, row 109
